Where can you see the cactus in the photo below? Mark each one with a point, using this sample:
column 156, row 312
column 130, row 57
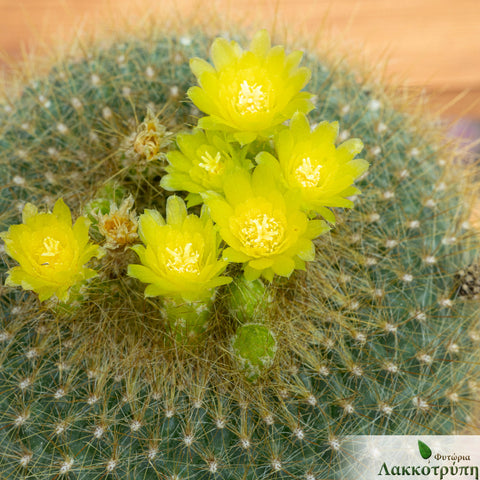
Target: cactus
column 378, row 336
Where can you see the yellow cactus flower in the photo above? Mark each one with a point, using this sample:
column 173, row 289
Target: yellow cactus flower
column 249, row 92
column 264, row 228
column 180, row 256
column 51, row 252
column 320, row 173
column 201, row 163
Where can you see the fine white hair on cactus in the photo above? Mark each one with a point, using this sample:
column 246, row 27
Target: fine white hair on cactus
column 376, row 151
column 245, row 443
column 18, row 180
column 453, row 396
column 391, row 243
column 59, row 393
column 268, row 419
column 152, row 453
column 54, row 153
column 420, row 403
column 62, row 128
column 25, row 383
column 212, row 466
column 388, row 195
column 135, row 426
column 220, row 422
column 25, row 459
column 150, row 72
column 4, row 336
column 385, row 408
column 390, row 327
column 334, row 443
column 453, row 347
column 299, row 433
column 430, row 259
column 66, row 466
column 391, row 367
column 32, row 353
column 381, row 127
column 60, row 428
column 92, row 399
column 425, row 358
column 356, row 370
column 21, row 419
column 374, row 105
column 276, row 464
column 107, row 113
column 188, row 440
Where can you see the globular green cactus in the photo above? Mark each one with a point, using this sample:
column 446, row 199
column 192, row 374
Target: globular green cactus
column 377, row 336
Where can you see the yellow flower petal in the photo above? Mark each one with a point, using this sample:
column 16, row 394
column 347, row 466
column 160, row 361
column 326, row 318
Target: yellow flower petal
column 283, row 266
column 260, row 44
column 223, row 53
column 62, row 212
column 199, row 66
column 29, row 211
column 149, row 221
column 176, row 211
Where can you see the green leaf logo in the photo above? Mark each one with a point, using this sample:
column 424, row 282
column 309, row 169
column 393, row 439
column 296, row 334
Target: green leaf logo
column 425, row 451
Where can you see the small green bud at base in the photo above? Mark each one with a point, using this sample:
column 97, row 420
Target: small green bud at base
column 253, row 347
column 187, row 321
column 101, row 204
column 248, row 301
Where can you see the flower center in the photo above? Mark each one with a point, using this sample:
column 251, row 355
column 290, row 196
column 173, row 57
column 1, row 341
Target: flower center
column 212, row 164
column 51, row 249
column 251, row 98
column 262, row 233
column 308, row 175
column 183, row 259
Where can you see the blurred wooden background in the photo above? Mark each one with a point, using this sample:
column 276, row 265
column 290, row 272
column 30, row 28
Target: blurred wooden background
column 431, row 44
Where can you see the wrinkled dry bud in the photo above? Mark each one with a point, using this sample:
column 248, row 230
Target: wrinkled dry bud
column 119, row 226
column 151, row 140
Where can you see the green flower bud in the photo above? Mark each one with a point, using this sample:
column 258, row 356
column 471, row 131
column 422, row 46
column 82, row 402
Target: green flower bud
column 253, row 347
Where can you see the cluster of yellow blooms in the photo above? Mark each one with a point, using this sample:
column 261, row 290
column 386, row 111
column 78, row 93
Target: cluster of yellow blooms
column 267, row 208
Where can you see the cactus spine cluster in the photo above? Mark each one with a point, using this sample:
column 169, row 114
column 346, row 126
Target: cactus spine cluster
column 375, row 336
